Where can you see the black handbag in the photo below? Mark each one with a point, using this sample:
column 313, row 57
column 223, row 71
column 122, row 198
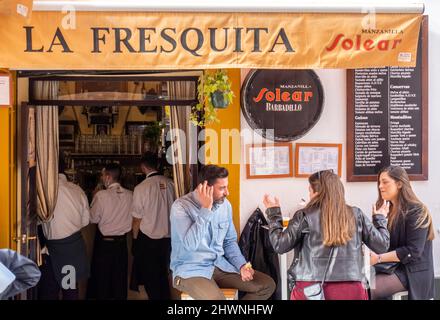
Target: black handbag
column 316, row 290
column 386, row 267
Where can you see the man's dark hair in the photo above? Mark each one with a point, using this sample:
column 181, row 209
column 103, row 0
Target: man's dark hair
column 114, row 170
column 211, row 173
column 150, row 160
column 61, row 165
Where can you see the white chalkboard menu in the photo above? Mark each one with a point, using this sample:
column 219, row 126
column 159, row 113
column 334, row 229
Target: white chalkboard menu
column 387, row 118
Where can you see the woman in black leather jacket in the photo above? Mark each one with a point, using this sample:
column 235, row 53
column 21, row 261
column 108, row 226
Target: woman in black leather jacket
column 411, row 235
column 328, row 222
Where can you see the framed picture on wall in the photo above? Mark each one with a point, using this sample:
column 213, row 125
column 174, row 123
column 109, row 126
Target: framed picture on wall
column 67, row 132
column 269, row 161
column 313, row 157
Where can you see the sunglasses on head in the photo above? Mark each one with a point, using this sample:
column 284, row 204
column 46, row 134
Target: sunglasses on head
column 322, row 171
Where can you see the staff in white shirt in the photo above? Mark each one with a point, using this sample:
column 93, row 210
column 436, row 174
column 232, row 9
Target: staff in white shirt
column 152, row 200
column 111, row 211
column 65, row 244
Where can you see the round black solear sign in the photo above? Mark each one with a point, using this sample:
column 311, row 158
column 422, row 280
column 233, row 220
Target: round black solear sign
column 287, row 101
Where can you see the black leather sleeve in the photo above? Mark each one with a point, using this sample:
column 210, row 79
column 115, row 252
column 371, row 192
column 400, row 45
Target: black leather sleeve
column 375, row 234
column 285, row 240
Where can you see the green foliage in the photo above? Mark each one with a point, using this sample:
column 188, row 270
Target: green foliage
column 204, row 112
column 153, row 132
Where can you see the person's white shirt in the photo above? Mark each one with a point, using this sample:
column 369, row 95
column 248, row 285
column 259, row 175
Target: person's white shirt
column 152, row 201
column 110, row 209
column 71, row 212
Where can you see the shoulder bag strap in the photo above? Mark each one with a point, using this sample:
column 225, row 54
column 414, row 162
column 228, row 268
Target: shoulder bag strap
column 328, row 264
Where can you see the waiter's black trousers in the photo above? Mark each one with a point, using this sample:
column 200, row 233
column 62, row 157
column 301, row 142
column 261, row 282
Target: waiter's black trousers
column 153, row 258
column 110, row 267
column 48, row 287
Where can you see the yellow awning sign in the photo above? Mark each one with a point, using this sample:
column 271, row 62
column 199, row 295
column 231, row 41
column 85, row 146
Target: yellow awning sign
column 21, row 8
column 145, row 40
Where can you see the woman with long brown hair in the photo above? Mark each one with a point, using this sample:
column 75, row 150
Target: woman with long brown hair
column 411, row 235
column 327, row 237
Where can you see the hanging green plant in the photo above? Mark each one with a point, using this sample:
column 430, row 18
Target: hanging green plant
column 214, row 92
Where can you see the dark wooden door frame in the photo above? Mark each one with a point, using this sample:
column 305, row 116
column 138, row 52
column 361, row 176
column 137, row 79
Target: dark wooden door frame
column 28, row 226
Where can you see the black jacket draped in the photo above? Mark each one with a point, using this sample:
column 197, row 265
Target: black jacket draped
column 256, row 248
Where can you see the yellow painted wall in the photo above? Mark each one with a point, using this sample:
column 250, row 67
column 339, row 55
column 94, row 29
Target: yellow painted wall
column 7, row 174
column 4, row 177
column 229, row 119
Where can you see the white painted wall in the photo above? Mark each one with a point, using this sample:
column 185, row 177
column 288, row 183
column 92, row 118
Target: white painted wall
column 331, row 128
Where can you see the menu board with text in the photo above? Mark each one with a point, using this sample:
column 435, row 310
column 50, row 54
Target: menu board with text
column 387, row 118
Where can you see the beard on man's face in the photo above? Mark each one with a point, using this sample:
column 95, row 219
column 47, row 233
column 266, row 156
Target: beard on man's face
column 220, row 200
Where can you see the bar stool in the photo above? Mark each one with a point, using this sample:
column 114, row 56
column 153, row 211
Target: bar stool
column 230, row 294
column 399, row 295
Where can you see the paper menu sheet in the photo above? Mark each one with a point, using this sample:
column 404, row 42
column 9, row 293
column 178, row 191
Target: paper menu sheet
column 5, row 91
column 270, row 160
column 313, row 159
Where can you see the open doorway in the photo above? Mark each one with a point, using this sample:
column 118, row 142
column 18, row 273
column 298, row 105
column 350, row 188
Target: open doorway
column 102, row 118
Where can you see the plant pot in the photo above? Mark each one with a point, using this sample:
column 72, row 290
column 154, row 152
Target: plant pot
column 219, row 100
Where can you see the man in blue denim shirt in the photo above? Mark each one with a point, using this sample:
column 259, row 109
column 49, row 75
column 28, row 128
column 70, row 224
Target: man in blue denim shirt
column 205, row 255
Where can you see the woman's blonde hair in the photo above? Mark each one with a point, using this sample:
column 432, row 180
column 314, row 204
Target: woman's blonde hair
column 337, row 218
column 406, row 198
